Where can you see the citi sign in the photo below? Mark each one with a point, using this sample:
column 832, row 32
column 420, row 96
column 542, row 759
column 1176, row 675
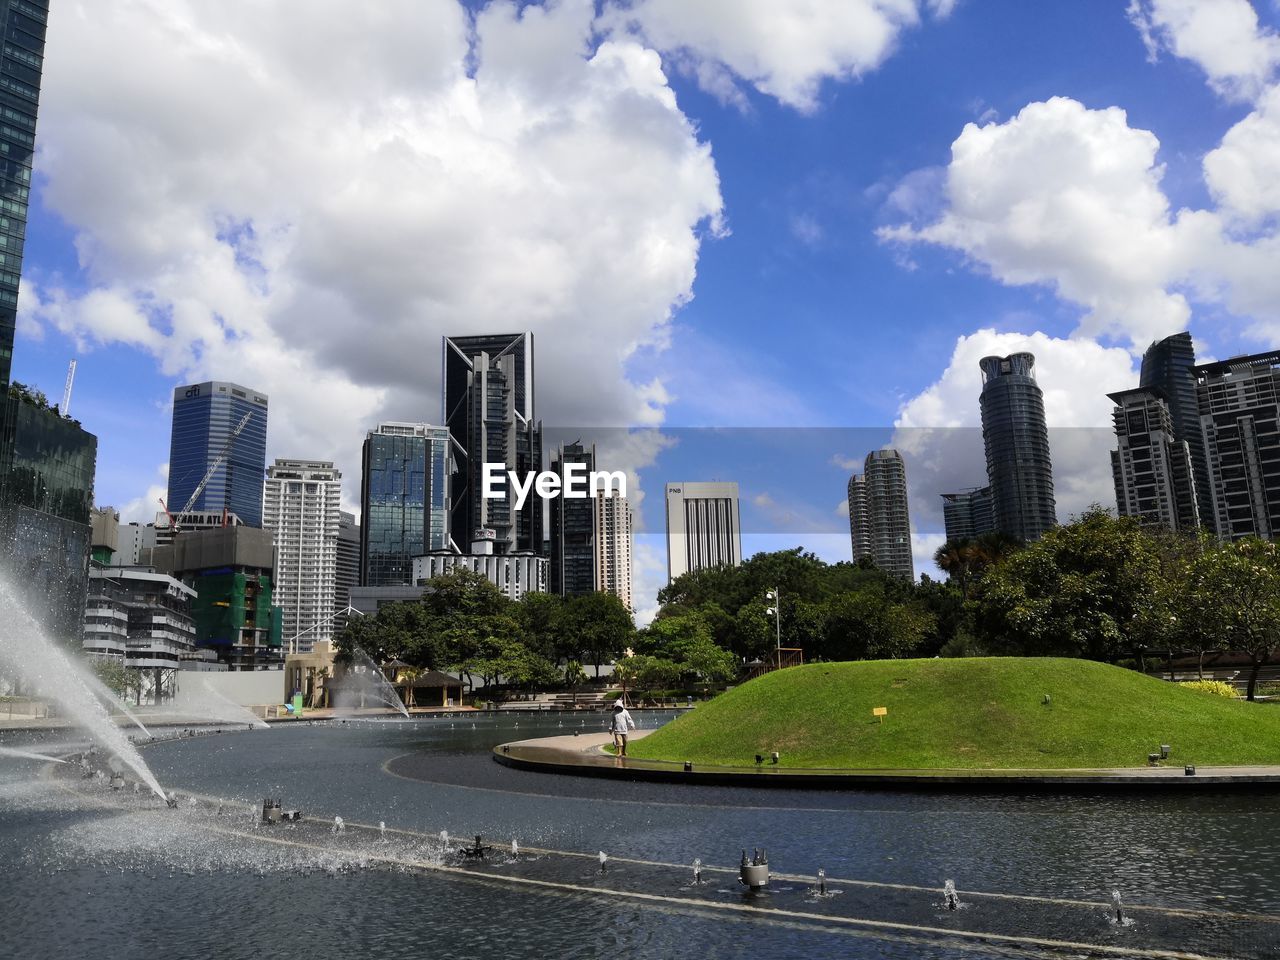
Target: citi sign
column 576, row 484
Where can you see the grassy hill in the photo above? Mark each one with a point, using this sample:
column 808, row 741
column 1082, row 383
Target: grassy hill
column 967, row 713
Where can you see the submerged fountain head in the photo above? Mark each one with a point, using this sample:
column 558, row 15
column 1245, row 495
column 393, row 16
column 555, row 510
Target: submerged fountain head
column 603, row 858
column 697, row 869
column 822, row 882
column 171, row 801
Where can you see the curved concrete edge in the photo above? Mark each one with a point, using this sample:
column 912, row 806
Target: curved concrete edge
column 583, row 756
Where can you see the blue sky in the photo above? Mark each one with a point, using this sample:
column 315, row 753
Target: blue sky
column 712, row 214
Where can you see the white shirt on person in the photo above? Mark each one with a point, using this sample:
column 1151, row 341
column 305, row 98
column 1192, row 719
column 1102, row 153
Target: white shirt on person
column 621, row 721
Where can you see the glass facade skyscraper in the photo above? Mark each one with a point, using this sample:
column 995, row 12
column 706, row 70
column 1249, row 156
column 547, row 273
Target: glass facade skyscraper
column 879, row 523
column 1168, row 367
column 23, row 25
column 1016, row 438
column 404, row 500
column 204, row 417
column 573, row 529
column 46, row 460
column 489, row 412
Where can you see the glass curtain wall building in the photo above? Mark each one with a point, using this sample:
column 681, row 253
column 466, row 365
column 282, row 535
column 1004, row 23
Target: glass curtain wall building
column 573, row 529
column 1168, row 367
column 204, row 417
column 46, row 460
column 404, row 500
column 879, row 523
column 1016, row 438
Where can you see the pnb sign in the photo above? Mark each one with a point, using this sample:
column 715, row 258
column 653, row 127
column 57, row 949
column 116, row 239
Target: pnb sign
column 577, row 483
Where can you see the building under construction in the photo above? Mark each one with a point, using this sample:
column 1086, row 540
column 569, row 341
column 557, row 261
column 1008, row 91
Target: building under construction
column 231, row 570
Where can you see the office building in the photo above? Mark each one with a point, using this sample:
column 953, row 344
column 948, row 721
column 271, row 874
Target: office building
column 879, row 524
column 1168, row 367
column 231, row 570
column 47, row 461
column 1239, row 403
column 488, row 408
column 1016, row 437
column 348, row 569
column 404, row 500
column 1152, row 470
column 969, row 514
column 614, row 547
column 141, row 620
column 515, row 574
column 704, row 527
column 301, row 506
column 205, row 419
column 573, row 527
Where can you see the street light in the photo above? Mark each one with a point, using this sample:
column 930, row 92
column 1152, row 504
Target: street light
column 775, row 610
column 293, row 641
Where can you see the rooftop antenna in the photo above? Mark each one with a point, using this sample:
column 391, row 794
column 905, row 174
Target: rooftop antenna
column 66, row 391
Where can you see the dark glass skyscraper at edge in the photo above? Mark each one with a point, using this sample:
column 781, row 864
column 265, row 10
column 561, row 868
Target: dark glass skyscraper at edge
column 1016, row 438
column 1169, row 366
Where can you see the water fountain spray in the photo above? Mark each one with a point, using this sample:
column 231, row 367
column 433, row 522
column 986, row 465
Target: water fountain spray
column 27, row 755
column 339, row 825
column 603, row 858
column 27, row 651
column 382, row 830
column 697, row 869
column 822, row 882
column 1117, row 906
column 949, row 895
column 515, row 848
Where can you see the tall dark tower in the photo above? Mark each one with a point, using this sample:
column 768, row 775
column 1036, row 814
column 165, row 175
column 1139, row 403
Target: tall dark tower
column 488, row 409
column 1168, row 366
column 1017, row 443
column 47, row 461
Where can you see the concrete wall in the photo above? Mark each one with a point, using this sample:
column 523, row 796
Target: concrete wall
column 245, row 687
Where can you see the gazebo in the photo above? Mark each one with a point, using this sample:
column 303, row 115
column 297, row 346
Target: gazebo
column 443, row 690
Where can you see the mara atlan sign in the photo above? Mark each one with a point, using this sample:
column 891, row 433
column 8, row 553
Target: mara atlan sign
column 576, row 484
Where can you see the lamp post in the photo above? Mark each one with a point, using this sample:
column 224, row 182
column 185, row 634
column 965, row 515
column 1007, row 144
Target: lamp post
column 293, row 641
column 775, row 609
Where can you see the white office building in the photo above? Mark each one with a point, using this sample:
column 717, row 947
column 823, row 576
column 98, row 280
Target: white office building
column 301, row 506
column 703, row 527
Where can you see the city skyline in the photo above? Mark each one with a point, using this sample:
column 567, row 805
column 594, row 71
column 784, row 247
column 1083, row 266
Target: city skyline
column 883, row 175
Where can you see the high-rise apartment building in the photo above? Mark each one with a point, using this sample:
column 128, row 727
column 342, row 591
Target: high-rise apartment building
column 405, row 501
column 205, row 417
column 704, row 528
column 879, row 523
column 47, row 461
column 1239, row 403
column 301, row 506
column 573, row 528
column 489, row 412
column 1168, row 367
column 1016, row 438
column 614, row 546
column 968, row 514
column 348, row 570
column 1153, row 472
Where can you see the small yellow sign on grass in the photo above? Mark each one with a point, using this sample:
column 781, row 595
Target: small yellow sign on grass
column 880, row 712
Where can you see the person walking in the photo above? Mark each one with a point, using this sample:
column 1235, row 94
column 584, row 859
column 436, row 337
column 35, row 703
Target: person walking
column 620, row 726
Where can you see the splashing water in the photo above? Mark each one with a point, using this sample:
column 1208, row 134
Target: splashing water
column 197, row 698
column 382, row 829
column 27, row 652
column 27, row 755
column 949, row 896
column 697, row 869
column 364, row 682
column 1116, row 906
column 444, row 838
column 603, row 858
column 339, row 825
column 106, row 695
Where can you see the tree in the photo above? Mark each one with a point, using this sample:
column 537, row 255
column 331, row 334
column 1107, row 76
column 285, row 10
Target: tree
column 1085, row 589
column 867, row 626
column 542, row 616
column 596, row 627
column 1232, row 592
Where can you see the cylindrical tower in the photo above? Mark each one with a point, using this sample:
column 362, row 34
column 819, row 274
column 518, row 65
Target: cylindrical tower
column 1016, row 438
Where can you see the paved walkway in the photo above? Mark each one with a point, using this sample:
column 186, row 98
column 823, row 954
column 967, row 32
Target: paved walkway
column 583, row 755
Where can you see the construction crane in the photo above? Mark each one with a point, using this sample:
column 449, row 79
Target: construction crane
column 204, row 481
column 66, row 391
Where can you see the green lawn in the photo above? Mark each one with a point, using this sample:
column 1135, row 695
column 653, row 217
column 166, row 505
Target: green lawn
column 966, row 713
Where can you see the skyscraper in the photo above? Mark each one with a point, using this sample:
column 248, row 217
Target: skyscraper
column 46, row 460
column 404, row 500
column 1239, row 403
column 1152, row 470
column 969, row 514
column 301, row 503
column 614, row 546
column 348, row 570
column 879, row 523
column 1168, row 366
column 1016, row 438
column 703, row 527
column 205, row 415
column 573, row 528
column 489, row 412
